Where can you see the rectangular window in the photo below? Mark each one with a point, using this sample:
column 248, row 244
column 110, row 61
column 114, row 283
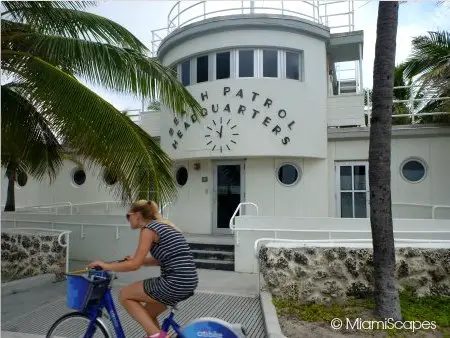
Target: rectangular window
column 270, row 63
column 246, row 63
column 202, row 68
column 292, row 66
column 353, row 190
column 186, row 73
column 223, row 65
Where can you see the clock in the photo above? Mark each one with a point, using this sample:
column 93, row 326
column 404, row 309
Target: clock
column 221, row 134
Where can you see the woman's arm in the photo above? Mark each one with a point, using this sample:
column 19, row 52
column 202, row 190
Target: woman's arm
column 150, row 261
column 146, row 238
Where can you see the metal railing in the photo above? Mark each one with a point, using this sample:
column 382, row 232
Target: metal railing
column 77, row 206
column 432, row 206
column 409, row 104
column 337, row 15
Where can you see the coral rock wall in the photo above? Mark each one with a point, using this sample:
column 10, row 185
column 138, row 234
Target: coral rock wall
column 30, row 254
column 323, row 275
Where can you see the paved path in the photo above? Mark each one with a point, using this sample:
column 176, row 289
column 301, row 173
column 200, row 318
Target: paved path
column 227, row 295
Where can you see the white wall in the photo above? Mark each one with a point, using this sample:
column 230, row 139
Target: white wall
column 434, row 189
column 305, row 198
column 302, row 105
column 346, row 110
column 303, row 101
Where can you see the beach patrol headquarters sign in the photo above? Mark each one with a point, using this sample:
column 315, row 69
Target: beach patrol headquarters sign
column 222, row 131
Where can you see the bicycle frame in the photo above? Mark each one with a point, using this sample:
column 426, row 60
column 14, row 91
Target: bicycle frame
column 95, row 312
column 170, row 322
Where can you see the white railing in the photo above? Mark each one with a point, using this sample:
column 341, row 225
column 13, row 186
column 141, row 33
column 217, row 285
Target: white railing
column 336, row 15
column 47, row 207
column 431, row 206
column 62, row 233
column 329, row 232
column 339, row 242
column 413, row 110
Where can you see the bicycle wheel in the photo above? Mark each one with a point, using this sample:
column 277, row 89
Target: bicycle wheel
column 74, row 325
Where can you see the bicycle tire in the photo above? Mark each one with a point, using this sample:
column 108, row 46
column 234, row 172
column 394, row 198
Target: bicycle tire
column 62, row 319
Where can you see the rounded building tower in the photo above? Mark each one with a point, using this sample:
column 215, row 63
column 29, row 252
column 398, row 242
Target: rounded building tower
column 265, row 76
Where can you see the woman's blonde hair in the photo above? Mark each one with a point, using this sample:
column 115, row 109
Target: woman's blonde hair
column 150, row 211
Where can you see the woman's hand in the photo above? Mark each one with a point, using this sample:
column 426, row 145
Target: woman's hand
column 101, row 264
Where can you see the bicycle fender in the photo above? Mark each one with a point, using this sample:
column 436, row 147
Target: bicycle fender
column 102, row 324
column 209, row 327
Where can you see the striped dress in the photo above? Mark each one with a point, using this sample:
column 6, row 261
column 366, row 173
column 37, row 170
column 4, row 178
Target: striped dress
column 178, row 278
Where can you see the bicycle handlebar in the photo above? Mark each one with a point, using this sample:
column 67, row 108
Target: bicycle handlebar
column 98, row 268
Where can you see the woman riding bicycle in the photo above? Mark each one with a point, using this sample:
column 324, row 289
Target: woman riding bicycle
column 169, row 249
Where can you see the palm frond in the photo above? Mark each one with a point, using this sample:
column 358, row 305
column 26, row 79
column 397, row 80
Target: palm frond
column 111, row 67
column 26, row 138
column 93, row 128
column 64, row 19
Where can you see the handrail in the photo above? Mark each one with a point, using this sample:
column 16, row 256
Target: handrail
column 432, row 206
column 60, row 236
column 49, row 206
column 238, row 208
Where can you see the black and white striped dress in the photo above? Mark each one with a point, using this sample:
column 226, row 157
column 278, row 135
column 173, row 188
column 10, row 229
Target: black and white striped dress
column 179, row 277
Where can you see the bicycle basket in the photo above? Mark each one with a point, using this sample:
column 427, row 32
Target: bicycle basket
column 81, row 291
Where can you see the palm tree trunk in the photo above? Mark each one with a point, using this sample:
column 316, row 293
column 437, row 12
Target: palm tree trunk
column 10, row 204
column 386, row 291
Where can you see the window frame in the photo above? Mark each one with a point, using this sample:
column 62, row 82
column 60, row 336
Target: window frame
column 214, row 64
column 338, row 190
column 261, row 63
column 255, row 63
column 181, row 71
column 414, row 159
column 209, row 70
column 299, row 173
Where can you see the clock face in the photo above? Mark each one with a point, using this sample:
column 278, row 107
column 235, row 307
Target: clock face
column 221, row 134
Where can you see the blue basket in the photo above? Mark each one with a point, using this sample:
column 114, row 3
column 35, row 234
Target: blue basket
column 81, row 290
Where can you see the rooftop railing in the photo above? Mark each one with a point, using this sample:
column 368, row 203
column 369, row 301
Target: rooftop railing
column 337, row 15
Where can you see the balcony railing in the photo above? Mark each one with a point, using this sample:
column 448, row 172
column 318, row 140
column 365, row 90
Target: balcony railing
column 337, row 15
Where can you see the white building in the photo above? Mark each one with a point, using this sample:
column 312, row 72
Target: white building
column 284, row 125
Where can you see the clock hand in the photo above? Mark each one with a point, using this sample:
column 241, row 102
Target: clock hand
column 221, row 130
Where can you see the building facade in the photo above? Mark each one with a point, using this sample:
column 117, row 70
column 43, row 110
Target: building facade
column 282, row 126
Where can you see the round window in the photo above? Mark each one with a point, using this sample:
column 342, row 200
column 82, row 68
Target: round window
column 109, row 178
column 79, row 177
column 22, row 179
column 288, row 174
column 413, row 170
column 182, row 176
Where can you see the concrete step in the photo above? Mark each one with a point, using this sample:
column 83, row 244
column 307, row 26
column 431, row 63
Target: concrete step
column 214, row 255
column 212, row 247
column 214, row 264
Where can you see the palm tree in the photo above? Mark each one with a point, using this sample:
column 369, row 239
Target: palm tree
column 429, row 66
column 47, row 111
column 386, row 292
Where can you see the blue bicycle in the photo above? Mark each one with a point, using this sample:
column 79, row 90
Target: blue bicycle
column 89, row 293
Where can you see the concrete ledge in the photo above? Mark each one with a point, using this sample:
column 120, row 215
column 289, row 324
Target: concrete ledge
column 8, row 334
column 273, row 329
column 23, row 284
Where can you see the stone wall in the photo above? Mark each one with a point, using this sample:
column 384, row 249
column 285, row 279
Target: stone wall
column 27, row 254
column 324, row 275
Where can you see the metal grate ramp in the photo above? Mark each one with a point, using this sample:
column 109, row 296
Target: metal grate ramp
column 232, row 308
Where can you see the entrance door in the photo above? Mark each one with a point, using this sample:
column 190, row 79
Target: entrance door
column 228, row 193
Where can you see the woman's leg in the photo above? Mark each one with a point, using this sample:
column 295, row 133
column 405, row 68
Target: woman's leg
column 154, row 312
column 131, row 298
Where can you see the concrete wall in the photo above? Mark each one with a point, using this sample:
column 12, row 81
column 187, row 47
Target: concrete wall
column 323, row 228
column 346, row 110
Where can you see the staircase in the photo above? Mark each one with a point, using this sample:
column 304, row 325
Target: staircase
column 213, row 256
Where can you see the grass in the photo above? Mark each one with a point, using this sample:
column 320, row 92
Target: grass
column 413, row 308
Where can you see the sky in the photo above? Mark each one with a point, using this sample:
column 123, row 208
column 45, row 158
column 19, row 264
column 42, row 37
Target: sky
column 143, row 16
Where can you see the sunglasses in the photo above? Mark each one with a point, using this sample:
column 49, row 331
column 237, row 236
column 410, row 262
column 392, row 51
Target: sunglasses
column 128, row 215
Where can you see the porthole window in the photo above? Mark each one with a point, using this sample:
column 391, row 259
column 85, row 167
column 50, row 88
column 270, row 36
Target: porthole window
column 79, row 177
column 413, row 170
column 22, row 179
column 288, row 174
column 109, row 178
column 181, row 176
